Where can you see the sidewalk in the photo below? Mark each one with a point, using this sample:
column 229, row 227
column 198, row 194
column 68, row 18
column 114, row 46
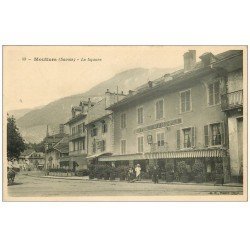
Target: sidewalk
column 86, row 178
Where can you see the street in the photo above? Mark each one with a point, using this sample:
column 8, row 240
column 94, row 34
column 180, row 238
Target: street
column 30, row 186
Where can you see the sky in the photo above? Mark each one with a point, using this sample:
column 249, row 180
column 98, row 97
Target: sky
column 29, row 83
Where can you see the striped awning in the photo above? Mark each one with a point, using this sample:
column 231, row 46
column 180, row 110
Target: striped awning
column 122, row 157
column 97, row 155
column 187, row 154
column 168, row 155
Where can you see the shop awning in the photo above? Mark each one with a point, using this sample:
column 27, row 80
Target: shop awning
column 187, row 154
column 122, row 157
column 97, row 155
column 167, row 155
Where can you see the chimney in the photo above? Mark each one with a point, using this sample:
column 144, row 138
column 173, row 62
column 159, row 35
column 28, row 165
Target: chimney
column 167, row 77
column 73, row 112
column 107, row 98
column 207, row 58
column 189, row 60
column 130, row 92
column 47, row 132
column 89, row 103
column 61, row 128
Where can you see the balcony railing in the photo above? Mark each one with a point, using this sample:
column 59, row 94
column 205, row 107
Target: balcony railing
column 77, row 135
column 159, row 148
column 232, row 100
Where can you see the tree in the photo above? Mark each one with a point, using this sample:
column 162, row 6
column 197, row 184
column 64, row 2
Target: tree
column 38, row 147
column 15, row 142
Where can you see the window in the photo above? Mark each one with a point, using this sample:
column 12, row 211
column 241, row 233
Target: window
column 94, row 146
column 123, row 147
column 93, row 131
column 216, row 134
column 159, row 109
column 213, row 93
column 79, row 128
column 140, row 115
column 104, row 127
column 76, row 146
column 187, row 137
column 140, row 144
column 185, row 101
column 83, row 144
column 103, row 145
column 160, row 139
column 123, row 120
column 80, row 145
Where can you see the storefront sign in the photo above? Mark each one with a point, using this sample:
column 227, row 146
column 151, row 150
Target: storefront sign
column 159, row 125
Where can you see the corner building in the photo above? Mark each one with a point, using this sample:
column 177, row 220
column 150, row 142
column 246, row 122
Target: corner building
column 180, row 117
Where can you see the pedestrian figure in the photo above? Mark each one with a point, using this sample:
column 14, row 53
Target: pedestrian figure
column 138, row 172
column 156, row 174
column 130, row 174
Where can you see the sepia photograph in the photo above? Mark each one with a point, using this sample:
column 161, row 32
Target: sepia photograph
column 125, row 123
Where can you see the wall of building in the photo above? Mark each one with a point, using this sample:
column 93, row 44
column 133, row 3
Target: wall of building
column 77, row 138
column 55, row 156
column 107, row 137
column 233, row 146
column 200, row 115
column 235, row 81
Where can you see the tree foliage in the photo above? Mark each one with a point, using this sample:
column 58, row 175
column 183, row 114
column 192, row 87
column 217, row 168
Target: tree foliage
column 15, row 142
column 38, row 147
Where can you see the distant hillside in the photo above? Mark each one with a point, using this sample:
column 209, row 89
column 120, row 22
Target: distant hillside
column 18, row 113
column 33, row 124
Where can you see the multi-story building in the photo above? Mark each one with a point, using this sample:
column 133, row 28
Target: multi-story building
column 78, row 135
column 100, row 127
column 51, row 155
column 31, row 159
column 232, row 105
column 179, row 117
column 57, row 155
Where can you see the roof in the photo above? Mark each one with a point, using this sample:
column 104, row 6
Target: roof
column 78, row 108
column 27, row 152
column 54, row 138
column 97, row 112
column 76, row 118
column 63, row 145
column 174, row 78
column 31, row 153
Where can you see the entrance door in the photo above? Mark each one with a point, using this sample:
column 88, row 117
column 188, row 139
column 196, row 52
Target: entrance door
column 240, row 143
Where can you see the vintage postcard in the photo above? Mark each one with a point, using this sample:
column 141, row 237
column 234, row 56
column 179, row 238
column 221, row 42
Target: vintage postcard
column 125, row 123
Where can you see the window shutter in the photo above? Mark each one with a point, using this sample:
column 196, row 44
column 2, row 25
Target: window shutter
column 222, row 133
column 206, row 136
column 178, row 139
column 193, row 136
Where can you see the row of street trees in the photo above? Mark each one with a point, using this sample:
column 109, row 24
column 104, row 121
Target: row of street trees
column 15, row 142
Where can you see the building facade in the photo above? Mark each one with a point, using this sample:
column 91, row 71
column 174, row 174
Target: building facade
column 52, row 156
column 30, row 159
column 100, row 127
column 78, row 135
column 232, row 105
column 180, row 117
